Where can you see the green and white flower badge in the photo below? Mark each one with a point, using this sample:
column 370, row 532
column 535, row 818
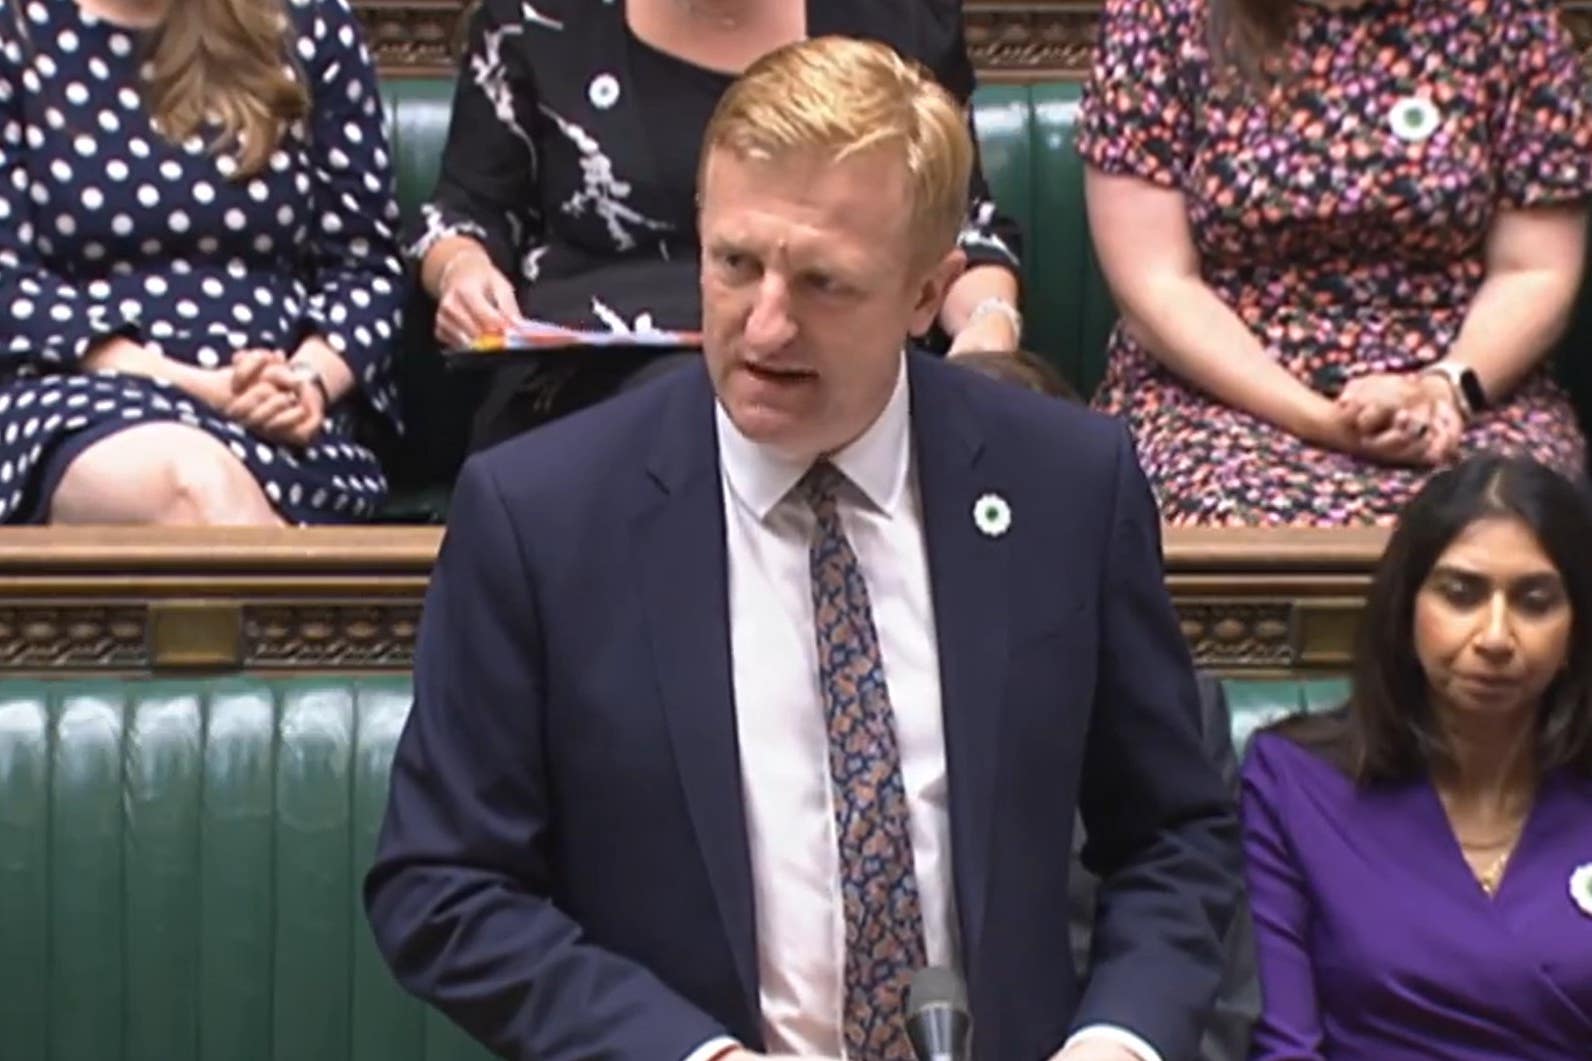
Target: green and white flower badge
column 1581, row 888
column 1414, row 118
column 992, row 515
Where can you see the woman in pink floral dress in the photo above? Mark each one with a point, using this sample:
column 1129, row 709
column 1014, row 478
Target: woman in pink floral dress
column 1343, row 236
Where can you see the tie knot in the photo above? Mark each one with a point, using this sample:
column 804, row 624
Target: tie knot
column 820, row 485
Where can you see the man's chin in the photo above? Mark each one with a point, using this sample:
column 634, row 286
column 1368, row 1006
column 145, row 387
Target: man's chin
column 777, row 426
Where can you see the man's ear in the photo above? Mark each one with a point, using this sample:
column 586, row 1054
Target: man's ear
column 931, row 286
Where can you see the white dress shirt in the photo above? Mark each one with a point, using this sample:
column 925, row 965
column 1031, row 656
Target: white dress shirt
column 780, row 724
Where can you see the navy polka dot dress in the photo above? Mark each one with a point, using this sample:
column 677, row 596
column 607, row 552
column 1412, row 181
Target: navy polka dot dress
column 108, row 228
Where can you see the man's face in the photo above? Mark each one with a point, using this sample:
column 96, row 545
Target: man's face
column 810, row 287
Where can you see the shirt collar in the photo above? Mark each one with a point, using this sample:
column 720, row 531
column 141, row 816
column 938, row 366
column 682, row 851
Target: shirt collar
column 876, row 462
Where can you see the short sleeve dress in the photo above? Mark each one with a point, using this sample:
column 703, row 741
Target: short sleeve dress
column 571, row 157
column 108, row 228
column 1343, row 219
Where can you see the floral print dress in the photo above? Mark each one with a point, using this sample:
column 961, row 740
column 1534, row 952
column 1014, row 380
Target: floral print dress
column 1342, row 219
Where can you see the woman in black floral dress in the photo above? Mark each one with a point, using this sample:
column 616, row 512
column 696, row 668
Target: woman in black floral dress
column 568, row 182
column 1343, row 248
column 197, row 263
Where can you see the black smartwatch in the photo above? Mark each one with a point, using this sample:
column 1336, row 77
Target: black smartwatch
column 1466, row 384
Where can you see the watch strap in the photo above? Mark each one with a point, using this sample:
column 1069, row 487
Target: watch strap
column 1468, row 392
column 310, row 374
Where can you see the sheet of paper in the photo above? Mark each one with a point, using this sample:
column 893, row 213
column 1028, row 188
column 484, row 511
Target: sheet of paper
column 539, row 335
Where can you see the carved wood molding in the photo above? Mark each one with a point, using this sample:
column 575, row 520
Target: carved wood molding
column 413, row 38
column 329, row 598
column 1040, row 40
column 1235, row 634
column 125, row 600
column 319, row 635
column 1035, row 41
column 72, row 637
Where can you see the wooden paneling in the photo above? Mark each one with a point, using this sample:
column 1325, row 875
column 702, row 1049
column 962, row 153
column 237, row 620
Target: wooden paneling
column 128, row 600
column 1040, row 40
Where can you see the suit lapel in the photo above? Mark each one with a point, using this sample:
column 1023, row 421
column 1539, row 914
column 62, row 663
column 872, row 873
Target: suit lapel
column 680, row 538
column 967, row 573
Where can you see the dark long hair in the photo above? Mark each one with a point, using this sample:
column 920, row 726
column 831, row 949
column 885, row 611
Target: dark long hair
column 1246, row 37
column 1388, row 730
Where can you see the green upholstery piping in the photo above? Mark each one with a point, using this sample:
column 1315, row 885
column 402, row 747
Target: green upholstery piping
column 179, row 871
column 1254, row 703
column 180, row 866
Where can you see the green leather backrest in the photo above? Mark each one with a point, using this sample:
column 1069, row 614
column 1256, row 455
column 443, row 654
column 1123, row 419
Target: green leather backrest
column 179, row 873
column 436, row 403
column 1025, row 138
column 180, row 866
column 1256, row 702
column 1025, row 134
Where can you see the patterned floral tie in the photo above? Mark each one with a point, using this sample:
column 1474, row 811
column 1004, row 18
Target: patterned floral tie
column 884, row 923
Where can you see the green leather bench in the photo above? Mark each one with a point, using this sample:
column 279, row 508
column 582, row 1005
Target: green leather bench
column 180, row 865
column 1025, row 134
column 1026, row 139
column 179, row 872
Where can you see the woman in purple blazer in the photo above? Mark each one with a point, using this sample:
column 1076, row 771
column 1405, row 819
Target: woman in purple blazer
column 1420, row 862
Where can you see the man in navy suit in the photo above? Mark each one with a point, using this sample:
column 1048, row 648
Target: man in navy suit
column 742, row 696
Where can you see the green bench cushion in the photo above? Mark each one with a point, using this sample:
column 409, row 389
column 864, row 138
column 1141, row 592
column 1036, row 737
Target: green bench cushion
column 179, row 873
column 180, row 865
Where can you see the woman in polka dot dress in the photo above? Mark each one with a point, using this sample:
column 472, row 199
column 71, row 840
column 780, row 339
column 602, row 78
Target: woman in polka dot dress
column 198, row 281
column 1343, row 246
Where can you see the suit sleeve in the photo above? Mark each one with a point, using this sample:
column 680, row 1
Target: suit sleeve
column 459, row 895
column 1290, row 1021
column 1163, row 838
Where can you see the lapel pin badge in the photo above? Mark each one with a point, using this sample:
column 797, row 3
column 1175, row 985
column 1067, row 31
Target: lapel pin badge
column 992, row 515
column 1414, row 118
column 1581, row 888
column 603, row 91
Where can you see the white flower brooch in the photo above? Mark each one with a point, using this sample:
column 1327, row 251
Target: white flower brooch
column 992, row 515
column 1414, row 118
column 1581, row 888
column 603, row 91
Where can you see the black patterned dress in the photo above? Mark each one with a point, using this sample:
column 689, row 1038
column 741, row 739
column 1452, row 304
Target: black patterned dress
column 108, row 228
column 1347, row 245
column 572, row 154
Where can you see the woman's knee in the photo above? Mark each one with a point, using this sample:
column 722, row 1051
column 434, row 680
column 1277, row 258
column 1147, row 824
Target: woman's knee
column 160, row 473
column 208, row 485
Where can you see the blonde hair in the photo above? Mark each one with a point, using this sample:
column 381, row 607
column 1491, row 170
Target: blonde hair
column 848, row 96
column 225, row 62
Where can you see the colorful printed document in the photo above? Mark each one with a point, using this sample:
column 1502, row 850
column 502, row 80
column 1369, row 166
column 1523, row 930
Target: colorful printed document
column 544, row 335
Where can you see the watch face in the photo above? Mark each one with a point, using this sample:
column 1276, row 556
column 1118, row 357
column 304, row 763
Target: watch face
column 1471, row 385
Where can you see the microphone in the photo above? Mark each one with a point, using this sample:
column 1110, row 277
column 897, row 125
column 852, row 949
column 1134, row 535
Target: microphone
column 938, row 1021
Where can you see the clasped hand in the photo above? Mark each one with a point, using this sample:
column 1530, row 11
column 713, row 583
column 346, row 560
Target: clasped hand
column 1398, row 418
column 269, row 399
column 257, row 389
